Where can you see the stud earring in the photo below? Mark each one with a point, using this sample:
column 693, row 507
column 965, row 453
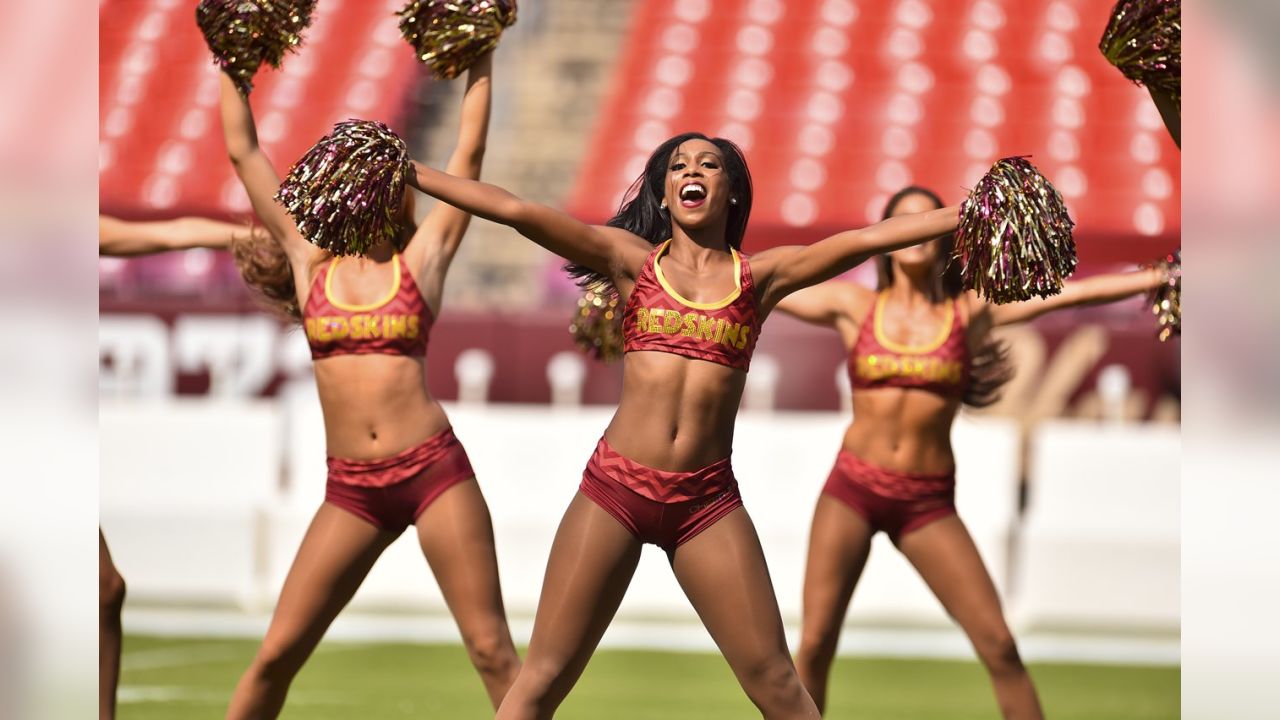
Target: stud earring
column 662, row 205
column 733, row 201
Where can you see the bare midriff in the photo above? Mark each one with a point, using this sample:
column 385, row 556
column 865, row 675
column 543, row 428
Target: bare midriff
column 677, row 414
column 903, row 429
column 376, row 405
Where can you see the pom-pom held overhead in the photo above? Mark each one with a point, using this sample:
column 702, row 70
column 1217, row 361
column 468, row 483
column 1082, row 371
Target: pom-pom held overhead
column 1165, row 301
column 1014, row 238
column 449, row 37
column 347, row 191
column 1144, row 41
column 597, row 324
column 243, row 34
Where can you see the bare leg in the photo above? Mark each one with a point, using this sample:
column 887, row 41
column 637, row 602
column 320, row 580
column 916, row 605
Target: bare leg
column 110, row 602
column 457, row 539
column 839, row 544
column 723, row 573
column 947, row 559
column 336, row 555
column 592, row 561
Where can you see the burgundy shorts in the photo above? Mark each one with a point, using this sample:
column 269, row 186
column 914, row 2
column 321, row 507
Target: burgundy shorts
column 664, row 508
column 392, row 492
column 890, row 500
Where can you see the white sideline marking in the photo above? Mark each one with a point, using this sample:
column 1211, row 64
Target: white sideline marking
column 133, row 694
column 201, row 654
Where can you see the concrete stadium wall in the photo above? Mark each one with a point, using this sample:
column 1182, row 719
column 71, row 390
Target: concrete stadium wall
column 204, row 503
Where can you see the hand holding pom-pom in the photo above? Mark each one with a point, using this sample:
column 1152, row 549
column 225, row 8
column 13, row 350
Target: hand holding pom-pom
column 450, row 36
column 597, row 324
column 1014, row 238
column 243, row 34
column 347, row 191
column 1144, row 41
column 1165, row 300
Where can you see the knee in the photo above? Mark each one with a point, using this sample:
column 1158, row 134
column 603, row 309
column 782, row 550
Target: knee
column 998, row 650
column 817, row 645
column 773, row 677
column 492, row 653
column 110, row 590
column 277, row 664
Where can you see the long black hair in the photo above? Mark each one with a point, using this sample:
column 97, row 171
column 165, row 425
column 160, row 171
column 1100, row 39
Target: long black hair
column 990, row 368
column 642, row 214
column 947, row 282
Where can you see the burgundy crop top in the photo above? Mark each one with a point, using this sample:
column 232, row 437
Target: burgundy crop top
column 397, row 324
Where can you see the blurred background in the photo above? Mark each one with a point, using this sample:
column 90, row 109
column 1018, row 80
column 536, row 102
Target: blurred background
column 212, row 448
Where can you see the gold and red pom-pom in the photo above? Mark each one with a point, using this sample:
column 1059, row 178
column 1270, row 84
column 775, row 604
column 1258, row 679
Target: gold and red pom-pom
column 347, row 192
column 1014, row 239
column 1165, row 300
column 448, row 37
column 1144, row 41
column 243, row 34
column 597, row 323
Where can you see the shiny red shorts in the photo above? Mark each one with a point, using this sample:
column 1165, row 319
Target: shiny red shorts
column 660, row 507
column 890, row 500
column 392, row 492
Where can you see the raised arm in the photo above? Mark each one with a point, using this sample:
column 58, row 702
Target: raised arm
column 611, row 251
column 123, row 238
column 445, row 225
column 1095, row 290
column 257, row 174
column 784, row 270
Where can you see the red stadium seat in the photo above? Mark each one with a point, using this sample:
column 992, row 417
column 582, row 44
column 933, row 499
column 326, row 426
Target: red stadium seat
column 838, row 103
column 161, row 149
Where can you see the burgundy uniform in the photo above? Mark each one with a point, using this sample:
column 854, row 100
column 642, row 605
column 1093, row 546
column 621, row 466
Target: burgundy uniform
column 891, row 500
column 662, row 507
column 389, row 492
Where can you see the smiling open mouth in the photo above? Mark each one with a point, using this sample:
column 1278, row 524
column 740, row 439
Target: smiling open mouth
column 693, row 195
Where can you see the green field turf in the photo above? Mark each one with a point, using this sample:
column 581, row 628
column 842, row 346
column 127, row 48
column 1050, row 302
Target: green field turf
column 192, row 678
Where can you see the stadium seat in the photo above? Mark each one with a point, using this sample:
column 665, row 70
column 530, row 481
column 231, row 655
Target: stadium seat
column 838, row 103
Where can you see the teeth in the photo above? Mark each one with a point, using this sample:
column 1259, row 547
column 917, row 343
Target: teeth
column 691, row 189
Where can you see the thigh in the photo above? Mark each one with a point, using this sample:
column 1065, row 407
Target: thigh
column 723, row 573
column 839, row 545
column 592, row 560
column 456, row 535
column 947, row 559
column 335, row 556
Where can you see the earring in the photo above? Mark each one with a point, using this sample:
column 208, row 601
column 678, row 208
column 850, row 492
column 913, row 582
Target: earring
column 733, row 201
column 662, row 205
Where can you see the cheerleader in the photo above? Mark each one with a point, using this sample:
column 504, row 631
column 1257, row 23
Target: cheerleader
column 694, row 305
column 919, row 348
column 121, row 238
column 394, row 461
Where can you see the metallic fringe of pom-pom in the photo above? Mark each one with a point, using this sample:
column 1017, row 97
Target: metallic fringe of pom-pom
column 347, row 192
column 1165, row 301
column 243, row 34
column 448, row 37
column 1014, row 238
column 597, row 324
column 1144, row 41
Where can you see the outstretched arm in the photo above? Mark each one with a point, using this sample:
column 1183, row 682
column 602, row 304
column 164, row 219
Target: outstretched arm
column 257, row 174
column 122, row 238
column 788, row 269
column 606, row 250
column 445, row 225
column 1095, row 290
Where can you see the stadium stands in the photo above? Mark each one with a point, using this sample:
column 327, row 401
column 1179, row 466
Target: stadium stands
column 838, row 103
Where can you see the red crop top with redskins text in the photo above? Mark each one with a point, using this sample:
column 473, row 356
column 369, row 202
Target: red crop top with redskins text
column 396, row 324
column 940, row 366
column 657, row 318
